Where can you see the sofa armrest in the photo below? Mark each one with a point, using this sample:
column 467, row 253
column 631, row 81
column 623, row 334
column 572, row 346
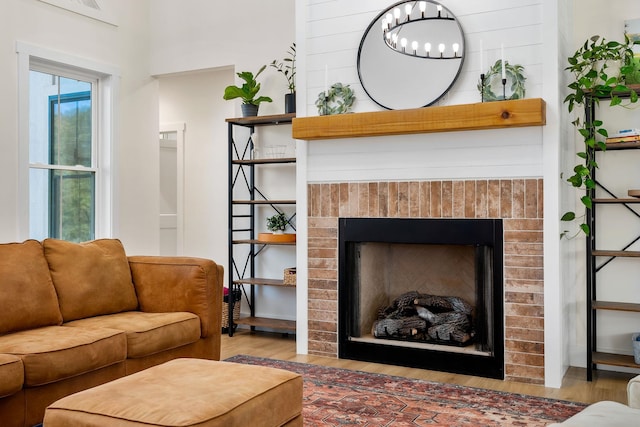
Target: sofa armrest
column 633, row 392
column 166, row 284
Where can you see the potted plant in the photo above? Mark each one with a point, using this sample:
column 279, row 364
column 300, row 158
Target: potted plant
column 277, row 223
column 288, row 68
column 602, row 70
column 247, row 92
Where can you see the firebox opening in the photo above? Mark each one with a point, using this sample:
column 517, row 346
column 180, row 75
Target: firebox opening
column 406, row 292
column 422, row 292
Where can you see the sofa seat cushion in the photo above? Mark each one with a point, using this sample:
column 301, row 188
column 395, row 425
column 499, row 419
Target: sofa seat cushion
column 148, row 333
column 11, row 374
column 91, row 278
column 54, row 353
column 27, row 296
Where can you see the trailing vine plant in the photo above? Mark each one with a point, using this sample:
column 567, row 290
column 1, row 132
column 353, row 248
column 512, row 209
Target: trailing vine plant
column 602, row 70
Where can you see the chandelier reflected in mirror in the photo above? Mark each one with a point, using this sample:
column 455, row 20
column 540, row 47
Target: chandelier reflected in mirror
column 414, row 13
column 411, row 54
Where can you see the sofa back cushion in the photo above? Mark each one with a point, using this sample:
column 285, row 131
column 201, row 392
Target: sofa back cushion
column 91, row 278
column 27, row 296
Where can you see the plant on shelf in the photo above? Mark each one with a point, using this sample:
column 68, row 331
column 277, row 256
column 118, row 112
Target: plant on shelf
column 277, row 223
column 602, row 70
column 247, row 92
column 288, row 67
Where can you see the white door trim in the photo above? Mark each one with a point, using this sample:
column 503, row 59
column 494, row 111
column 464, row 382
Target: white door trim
column 179, row 128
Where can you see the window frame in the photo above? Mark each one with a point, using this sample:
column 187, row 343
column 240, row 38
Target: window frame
column 103, row 161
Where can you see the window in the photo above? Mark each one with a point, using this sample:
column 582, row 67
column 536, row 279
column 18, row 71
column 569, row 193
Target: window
column 61, row 163
column 65, row 151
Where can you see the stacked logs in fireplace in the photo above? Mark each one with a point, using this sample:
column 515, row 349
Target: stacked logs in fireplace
column 421, row 317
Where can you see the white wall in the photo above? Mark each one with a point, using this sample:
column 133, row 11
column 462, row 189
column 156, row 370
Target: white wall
column 334, row 31
column 124, row 47
column 562, row 298
column 150, row 38
column 204, row 34
column 554, row 29
column 192, row 99
column 154, row 38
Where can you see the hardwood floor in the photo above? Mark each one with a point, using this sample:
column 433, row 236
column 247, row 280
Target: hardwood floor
column 605, row 386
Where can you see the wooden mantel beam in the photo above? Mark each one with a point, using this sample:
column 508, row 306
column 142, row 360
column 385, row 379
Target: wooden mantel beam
column 486, row 115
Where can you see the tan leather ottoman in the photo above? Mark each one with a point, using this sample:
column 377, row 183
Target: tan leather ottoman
column 187, row 392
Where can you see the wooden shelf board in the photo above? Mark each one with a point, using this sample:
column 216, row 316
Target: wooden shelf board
column 264, row 202
column 262, row 120
column 608, row 200
column 623, row 145
column 264, row 161
column 265, row 322
column 633, row 86
column 260, row 242
column 614, row 359
column 262, row 281
column 627, row 254
column 617, row 306
column 485, row 115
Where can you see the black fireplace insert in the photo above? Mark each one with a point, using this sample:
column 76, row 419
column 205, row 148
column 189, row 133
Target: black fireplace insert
column 425, row 293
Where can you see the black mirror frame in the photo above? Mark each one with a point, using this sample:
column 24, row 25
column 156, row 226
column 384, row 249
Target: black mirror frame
column 375, row 22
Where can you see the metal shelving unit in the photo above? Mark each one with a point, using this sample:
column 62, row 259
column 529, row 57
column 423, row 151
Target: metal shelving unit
column 242, row 220
column 599, row 258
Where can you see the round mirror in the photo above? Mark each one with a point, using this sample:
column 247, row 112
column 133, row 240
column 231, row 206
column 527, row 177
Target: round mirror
column 410, row 55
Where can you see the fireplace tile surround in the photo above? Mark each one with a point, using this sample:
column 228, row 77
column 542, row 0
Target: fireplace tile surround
column 517, row 201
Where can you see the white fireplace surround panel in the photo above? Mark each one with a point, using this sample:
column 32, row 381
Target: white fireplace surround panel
column 504, row 153
column 327, row 35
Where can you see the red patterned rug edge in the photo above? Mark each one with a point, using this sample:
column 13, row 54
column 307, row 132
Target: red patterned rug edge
column 338, row 396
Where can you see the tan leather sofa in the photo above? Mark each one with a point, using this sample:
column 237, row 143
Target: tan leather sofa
column 609, row 414
column 73, row 316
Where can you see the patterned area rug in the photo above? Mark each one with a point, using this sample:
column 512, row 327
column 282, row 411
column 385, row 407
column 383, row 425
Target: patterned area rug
column 340, row 397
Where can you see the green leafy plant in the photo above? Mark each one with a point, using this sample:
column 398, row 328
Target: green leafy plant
column 277, row 222
column 601, row 69
column 249, row 90
column 634, row 76
column 288, row 67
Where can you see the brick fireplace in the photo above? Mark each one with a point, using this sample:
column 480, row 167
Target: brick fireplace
column 518, row 202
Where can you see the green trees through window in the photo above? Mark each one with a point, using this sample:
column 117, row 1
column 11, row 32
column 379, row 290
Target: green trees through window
column 72, row 192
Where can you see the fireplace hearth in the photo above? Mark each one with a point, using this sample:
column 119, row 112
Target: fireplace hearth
column 425, row 293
